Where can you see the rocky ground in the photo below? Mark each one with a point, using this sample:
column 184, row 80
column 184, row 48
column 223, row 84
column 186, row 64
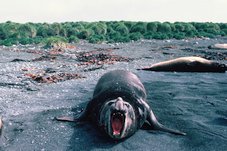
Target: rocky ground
column 38, row 84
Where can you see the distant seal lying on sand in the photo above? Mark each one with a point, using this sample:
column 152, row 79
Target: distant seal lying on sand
column 218, row 46
column 188, row 64
column 119, row 106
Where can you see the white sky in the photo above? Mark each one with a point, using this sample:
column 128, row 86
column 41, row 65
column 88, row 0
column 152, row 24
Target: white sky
column 113, row 10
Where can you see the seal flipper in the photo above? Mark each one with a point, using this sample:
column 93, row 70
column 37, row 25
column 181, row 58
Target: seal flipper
column 66, row 119
column 80, row 118
column 158, row 126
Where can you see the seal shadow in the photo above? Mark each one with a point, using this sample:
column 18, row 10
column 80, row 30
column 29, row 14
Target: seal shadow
column 86, row 136
column 220, row 121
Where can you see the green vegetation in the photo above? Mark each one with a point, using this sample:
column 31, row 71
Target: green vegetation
column 55, row 41
column 96, row 32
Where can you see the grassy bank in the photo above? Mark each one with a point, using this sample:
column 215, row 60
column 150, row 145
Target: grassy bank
column 113, row 31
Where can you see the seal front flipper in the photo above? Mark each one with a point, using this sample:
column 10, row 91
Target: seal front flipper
column 82, row 117
column 158, row 126
column 66, row 119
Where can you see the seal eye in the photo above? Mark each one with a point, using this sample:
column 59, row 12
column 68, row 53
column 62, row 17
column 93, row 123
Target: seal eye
column 117, row 122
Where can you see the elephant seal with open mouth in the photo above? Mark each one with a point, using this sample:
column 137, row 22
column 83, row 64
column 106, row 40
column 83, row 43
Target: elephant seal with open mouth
column 119, row 106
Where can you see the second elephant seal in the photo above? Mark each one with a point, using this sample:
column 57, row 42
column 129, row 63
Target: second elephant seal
column 187, row 64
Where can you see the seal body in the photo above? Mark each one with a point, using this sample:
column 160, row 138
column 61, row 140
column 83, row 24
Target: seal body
column 118, row 92
column 188, row 64
column 218, row 46
column 119, row 107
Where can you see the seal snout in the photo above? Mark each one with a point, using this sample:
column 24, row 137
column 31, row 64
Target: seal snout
column 119, row 104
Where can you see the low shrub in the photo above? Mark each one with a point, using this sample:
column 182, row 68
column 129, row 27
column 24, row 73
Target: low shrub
column 55, row 42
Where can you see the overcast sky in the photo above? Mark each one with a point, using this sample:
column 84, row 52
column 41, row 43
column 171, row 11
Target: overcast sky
column 113, row 10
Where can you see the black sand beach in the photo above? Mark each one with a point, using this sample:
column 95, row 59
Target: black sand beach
column 38, row 84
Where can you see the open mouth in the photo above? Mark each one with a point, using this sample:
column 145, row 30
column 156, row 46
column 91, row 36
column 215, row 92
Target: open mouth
column 117, row 122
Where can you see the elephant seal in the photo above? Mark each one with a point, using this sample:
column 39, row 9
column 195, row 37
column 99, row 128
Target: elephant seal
column 119, row 106
column 218, row 46
column 188, row 64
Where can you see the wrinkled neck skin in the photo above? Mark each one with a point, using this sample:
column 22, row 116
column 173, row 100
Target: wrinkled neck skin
column 118, row 119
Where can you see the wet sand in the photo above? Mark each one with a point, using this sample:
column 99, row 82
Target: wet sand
column 191, row 102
